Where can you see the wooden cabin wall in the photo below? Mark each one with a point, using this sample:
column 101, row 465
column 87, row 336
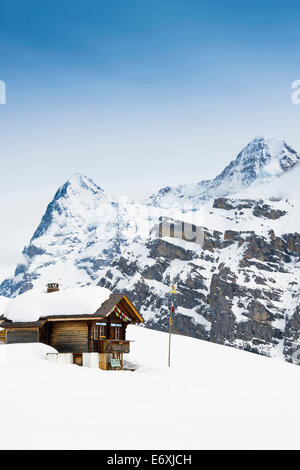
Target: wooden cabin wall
column 43, row 333
column 22, row 335
column 69, row 336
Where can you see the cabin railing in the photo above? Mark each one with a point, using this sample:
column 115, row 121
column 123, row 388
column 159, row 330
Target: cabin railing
column 111, row 346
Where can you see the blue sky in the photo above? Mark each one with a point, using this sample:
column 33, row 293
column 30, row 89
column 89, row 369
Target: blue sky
column 138, row 94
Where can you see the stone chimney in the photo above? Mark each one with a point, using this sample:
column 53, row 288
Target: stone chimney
column 52, row 287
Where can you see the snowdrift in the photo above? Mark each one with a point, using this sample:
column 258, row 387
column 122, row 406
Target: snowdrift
column 212, row 397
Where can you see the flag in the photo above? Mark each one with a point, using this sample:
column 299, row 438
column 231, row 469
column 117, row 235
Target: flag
column 173, row 300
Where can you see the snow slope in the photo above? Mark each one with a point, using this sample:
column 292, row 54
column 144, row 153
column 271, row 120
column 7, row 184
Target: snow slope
column 3, row 303
column 213, row 397
column 285, row 193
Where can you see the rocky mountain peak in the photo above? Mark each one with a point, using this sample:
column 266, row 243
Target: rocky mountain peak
column 79, row 183
column 262, row 159
column 74, row 198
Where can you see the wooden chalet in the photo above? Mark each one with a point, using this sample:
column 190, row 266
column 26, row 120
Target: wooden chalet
column 102, row 332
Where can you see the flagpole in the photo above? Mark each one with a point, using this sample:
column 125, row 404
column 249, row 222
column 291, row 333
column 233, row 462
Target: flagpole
column 170, row 331
column 170, row 324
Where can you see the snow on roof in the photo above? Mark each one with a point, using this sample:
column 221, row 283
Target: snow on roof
column 32, row 305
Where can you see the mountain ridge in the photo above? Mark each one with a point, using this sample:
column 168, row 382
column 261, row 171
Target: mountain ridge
column 262, row 158
column 241, row 288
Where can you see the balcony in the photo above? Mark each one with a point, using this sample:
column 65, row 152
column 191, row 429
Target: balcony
column 111, row 346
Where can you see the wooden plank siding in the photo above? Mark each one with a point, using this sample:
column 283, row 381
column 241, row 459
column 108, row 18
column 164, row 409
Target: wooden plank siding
column 69, row 336
column 43, row 333
column 25, row 335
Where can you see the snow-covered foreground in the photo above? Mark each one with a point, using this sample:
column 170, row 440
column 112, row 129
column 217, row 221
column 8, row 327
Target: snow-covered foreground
column 212, row 397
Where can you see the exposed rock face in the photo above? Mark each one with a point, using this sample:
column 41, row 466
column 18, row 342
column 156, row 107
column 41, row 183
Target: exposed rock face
column 259, row 208
column 162, row 249
column 292, row 337
column 226, row 293
column 229, row 204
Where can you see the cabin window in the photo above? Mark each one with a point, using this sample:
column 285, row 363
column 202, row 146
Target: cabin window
column 115, row 330
column 100, row 331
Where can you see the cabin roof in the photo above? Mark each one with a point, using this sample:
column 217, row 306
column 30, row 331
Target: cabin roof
column 33, row 308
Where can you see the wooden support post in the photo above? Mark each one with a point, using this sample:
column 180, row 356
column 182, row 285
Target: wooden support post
column 47, row 332
column 90, row 337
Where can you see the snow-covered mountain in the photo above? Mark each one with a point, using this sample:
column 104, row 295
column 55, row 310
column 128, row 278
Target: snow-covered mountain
column 263, row 159
column 82, row 230
column 240, row 288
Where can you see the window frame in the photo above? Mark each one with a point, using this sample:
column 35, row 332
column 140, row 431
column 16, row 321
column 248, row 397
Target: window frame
column 100, row 331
